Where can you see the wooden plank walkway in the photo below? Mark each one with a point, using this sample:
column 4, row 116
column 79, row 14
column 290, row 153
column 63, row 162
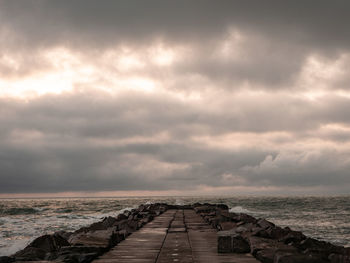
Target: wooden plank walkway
column 175, row 236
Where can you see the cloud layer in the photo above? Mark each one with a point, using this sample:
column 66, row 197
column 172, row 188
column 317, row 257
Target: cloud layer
column 192, row 96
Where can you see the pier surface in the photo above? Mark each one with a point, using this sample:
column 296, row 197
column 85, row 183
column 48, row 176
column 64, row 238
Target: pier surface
column 178, row 235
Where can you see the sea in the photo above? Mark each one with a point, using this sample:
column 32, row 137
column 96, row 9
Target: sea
column 23, row 220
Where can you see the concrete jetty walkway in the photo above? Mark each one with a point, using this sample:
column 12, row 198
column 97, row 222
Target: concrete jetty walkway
column 175, row 236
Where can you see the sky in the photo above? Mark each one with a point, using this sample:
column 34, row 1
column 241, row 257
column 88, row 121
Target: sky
column 174, row 97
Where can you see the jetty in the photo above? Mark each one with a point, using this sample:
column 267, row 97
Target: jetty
column 162, row 233
column 178, row 235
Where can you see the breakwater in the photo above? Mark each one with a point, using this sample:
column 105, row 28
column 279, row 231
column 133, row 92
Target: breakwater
column 174, row 233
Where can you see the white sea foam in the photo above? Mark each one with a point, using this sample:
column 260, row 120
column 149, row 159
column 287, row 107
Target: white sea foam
column 179, row 202
column 239, row 209
column 14, row 246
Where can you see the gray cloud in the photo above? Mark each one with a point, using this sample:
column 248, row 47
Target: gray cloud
column 257, row 95
column 82, row 142
column 328, row 167
column 48, row 22
column 280, row 36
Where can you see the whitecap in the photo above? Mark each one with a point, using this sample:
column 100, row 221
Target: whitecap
column 239, row 209
column 179, row 202
column 13, row 247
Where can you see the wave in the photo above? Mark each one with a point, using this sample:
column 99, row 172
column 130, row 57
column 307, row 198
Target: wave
column 67, row 210
column 179, row 202
column 22, row 210
column 15, row 246
column 115, row 213
column 239, row 209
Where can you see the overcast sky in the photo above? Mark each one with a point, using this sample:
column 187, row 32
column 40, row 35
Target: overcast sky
column 174, row 97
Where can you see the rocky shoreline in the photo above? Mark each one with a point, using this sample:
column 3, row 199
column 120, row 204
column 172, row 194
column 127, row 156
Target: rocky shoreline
column 237, row 233
column 242, row 233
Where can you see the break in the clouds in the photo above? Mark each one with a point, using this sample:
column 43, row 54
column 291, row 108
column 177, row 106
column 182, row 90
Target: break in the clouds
column 228, row 97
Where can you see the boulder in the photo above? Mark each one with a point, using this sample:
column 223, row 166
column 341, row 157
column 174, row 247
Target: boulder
column 258, row 243
column 30, row 254
column 222, row 206
column 337, row 258
column 246, row 218
column 227, row 225
column 64, row 234
column 204, row 209
column 93, row 227
column 311, row 245
column 245, row 227
column 121, row 217
column 263, row 223
column 133, row 225
column 5, row 259
column 108, row 222
column 276, row 232
column 233, row 216
column 282, row 257
column 77, row 254
column 215, row 221
column 293, row 237
column 127, row 213
column 239, row 244
column 259, row 232
column 49, row 243
column 268, row 255
column 231, row 242
column 41, row 246
column 99, row 238
column 265, row 255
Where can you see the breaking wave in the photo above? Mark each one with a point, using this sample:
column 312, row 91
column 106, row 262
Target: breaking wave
column 239, row 209
column 21, row 211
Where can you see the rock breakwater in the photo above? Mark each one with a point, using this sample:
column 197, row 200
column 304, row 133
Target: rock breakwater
column 87, row 243
column 237, row 233
column 242, row 233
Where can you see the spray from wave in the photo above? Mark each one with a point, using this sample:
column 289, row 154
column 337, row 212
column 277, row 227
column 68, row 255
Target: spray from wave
column 239, row 209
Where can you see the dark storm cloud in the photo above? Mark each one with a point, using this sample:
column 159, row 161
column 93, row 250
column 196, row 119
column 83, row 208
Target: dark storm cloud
column 97, row 115
column 319, row 23
column 258, row 61
column 253, row 93
column 87, row 142
column 280, row 35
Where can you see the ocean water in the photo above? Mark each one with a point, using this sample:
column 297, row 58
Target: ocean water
column 22, row 220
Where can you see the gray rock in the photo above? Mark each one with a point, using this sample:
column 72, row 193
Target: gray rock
column 268, row 255
column 49, row 243
column 337, row 258
column 63, row 234
column 283, row 257
column 231, row 242
column 293, row 237
column 77, row 254
column 99, row 238
column 227, row 225
column 109, row 221
column 6, row 259
column 41, row 246
column 30, row 254
column 264, row 223
column 259, row 243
